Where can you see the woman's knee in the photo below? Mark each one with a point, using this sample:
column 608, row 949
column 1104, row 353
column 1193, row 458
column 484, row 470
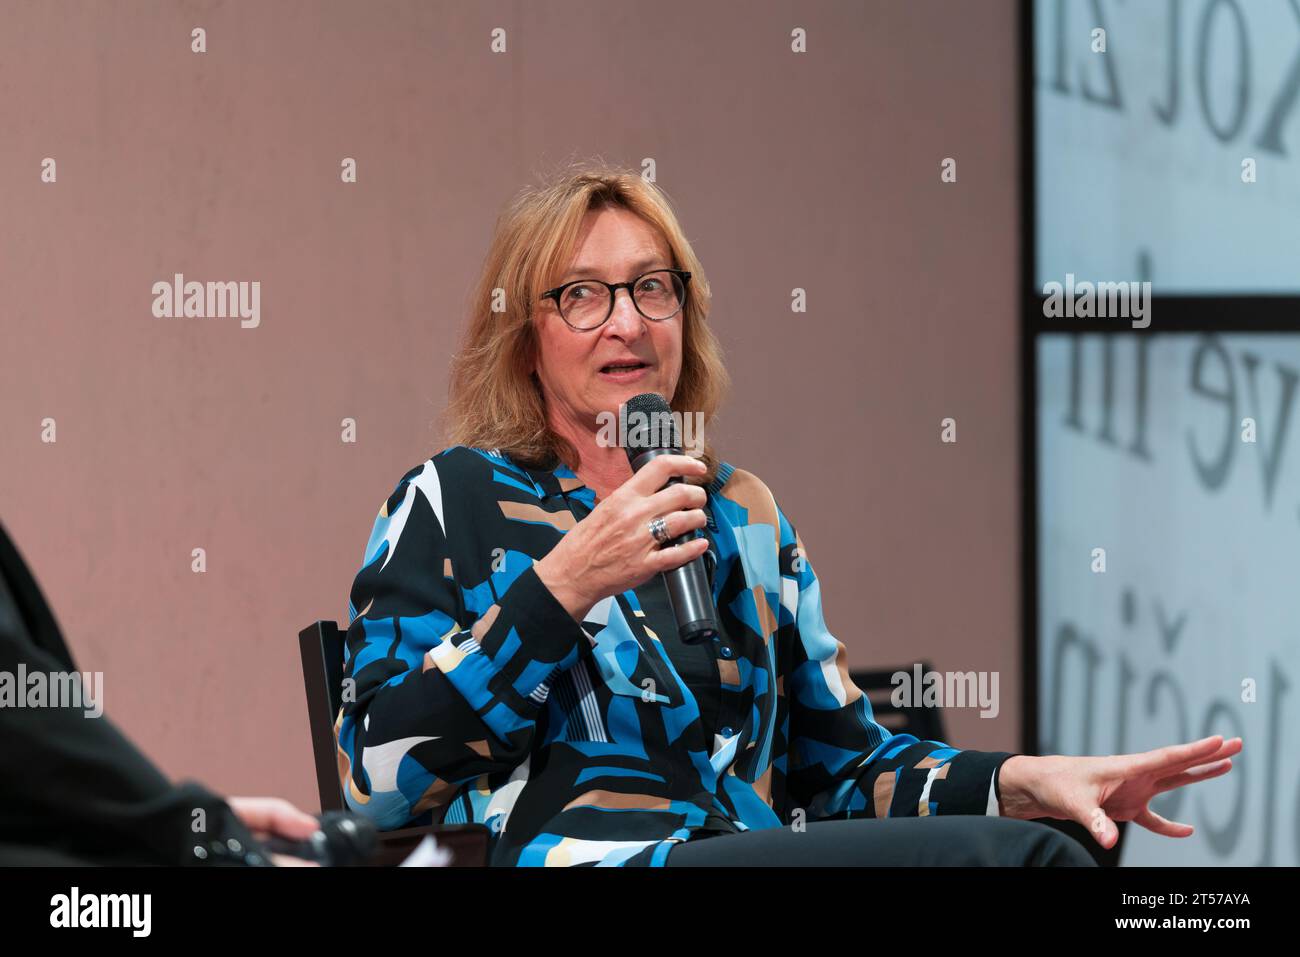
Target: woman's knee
column 1035, row 844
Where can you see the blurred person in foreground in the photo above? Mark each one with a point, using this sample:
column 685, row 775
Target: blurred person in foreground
column 75, row 792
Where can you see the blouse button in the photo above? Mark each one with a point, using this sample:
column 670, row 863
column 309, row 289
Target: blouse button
column 726, row 732
column 724, row 651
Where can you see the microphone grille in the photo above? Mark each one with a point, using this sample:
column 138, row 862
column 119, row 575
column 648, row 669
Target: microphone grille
column 650, row 424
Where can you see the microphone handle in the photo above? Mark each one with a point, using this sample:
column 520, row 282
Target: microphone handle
column 691, row 600
column 306, row 850
column 690, row 594
column 343, row 840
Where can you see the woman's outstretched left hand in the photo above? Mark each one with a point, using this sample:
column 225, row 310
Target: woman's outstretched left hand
column 1099, row 791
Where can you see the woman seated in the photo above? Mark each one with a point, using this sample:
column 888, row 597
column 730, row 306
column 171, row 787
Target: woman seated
column 513, row 658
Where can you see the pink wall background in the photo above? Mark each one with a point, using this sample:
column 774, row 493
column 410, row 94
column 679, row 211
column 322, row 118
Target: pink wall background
column 818, row 170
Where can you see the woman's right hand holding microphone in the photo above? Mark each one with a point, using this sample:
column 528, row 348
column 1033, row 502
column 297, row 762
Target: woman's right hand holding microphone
column 612, row 550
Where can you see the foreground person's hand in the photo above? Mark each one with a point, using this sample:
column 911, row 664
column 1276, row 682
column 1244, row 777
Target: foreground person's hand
column 276, row 817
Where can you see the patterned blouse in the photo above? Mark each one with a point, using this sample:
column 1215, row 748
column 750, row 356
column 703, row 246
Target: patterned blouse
column 472, row 695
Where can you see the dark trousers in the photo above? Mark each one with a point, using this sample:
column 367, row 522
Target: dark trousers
column 955, row 841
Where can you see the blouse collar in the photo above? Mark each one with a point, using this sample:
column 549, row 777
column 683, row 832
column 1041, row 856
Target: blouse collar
column 561, row 481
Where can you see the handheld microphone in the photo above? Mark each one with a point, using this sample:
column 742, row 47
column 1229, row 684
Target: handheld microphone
column 343, row 839
column 653, row 432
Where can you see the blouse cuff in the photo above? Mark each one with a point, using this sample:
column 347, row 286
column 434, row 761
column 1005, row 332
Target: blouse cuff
column 995, row 787
column 531, row 634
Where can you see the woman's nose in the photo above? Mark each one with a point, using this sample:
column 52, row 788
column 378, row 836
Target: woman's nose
column 625, row 320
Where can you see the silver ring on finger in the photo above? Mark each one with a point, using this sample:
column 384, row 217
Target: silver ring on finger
column 659, row 529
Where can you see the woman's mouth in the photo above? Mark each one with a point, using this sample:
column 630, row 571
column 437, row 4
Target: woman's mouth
column 624, row 371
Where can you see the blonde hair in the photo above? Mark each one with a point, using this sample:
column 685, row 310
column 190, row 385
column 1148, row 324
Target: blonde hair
column 495, row 400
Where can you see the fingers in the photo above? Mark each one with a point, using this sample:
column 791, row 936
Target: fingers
column 655, row 474
column 1200, row 773
column 676, row 497
column 679, row 523
column 1230, row 747
column 1103, row 830
column 272, row 815
column 284, row 860
column 1177, row 757
column 1154, row 822
column 673, row 556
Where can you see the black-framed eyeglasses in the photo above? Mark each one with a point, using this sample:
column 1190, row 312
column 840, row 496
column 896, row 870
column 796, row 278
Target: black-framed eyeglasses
column 585, row 304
